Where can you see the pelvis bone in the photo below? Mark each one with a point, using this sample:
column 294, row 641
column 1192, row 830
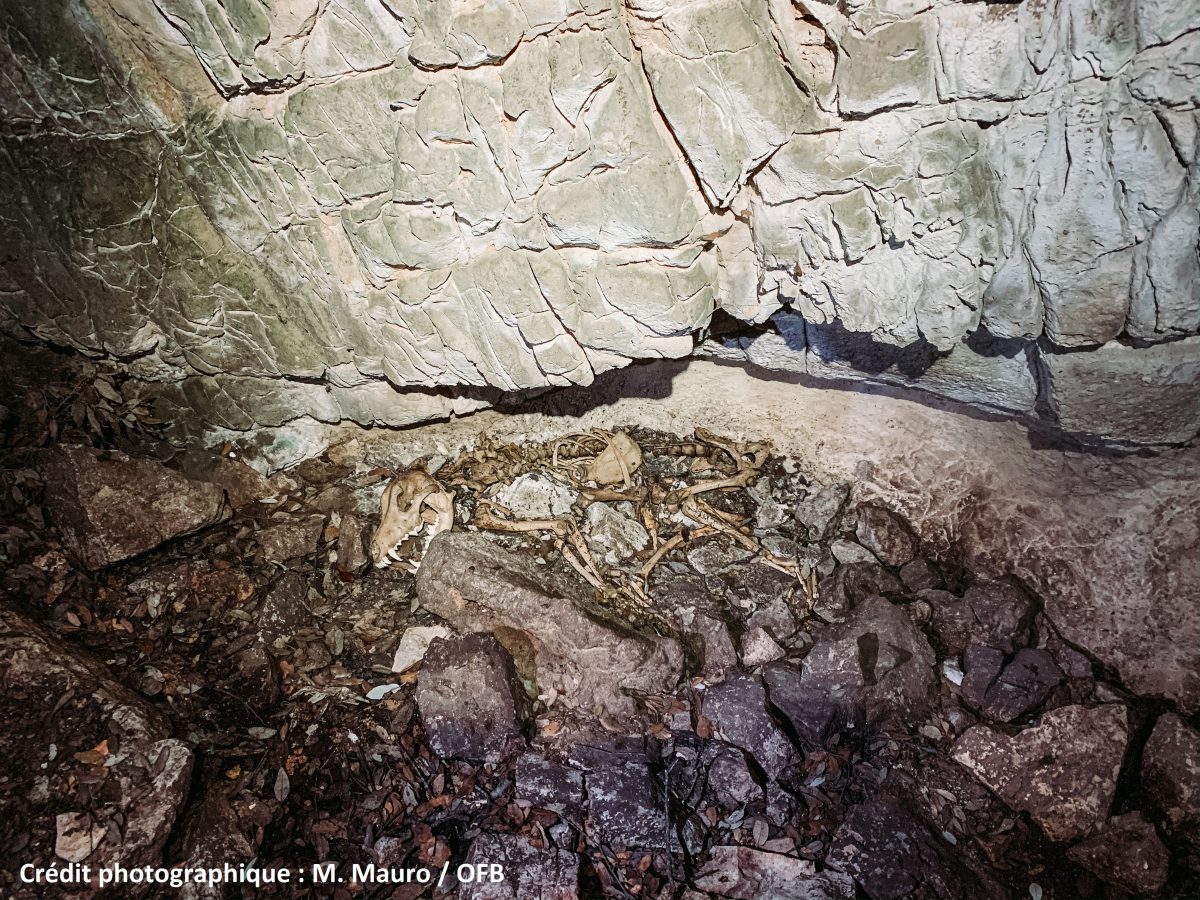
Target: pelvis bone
column 411, row 501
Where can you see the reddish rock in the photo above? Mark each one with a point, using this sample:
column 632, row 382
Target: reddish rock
column 892, row 852
column 1062, row 771
column 625, row 805
column 468, row 694
column 1171, row 775
column 529, row 872
column 812, row 714
column 737, row 709
column 116, row 778
column 550, row 623
column 291, row 538
column 1003, row 614
column 878, row 661
column 111, row 507
column 1126, row 854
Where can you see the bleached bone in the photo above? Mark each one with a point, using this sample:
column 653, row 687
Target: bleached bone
column 411, row 501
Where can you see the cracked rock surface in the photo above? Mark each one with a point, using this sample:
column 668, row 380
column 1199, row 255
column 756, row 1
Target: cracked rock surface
column 286, row 215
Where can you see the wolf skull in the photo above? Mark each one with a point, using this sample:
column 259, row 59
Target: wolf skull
column 411, row 500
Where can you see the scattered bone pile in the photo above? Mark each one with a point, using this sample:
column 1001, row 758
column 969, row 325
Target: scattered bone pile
column 628, row 664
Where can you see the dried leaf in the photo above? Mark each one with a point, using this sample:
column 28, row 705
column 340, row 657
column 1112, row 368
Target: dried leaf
column 96, row 756
column 283, row 785
column 762, row 832
column 106, row 389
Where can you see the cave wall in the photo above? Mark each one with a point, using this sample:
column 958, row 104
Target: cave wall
column 386, row 212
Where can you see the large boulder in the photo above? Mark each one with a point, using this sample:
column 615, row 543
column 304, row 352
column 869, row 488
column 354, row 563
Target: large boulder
column 554, row 630
column 1062, row 771
column 111, row 507
column 109, row 780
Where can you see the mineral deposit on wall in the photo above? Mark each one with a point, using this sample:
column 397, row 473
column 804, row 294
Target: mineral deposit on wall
column 390, row 210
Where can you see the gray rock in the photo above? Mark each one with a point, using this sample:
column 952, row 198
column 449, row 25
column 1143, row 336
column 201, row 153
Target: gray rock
column 110, row 507
column 352, row 556
column 886, row 535
column 529, row 872
column 1126, row 854
column 737, row 709
column 848, row 553
column 813, row 715
column 1171, row 775
column 714, row 556
column 818, row 512
column 744, row 873
column 997, row 377
column 610, row 208
column 291, row 538
column 694, row 82
column 877, row 661
column 469, row 698
column 1106, row 392
column 729, row 778
column 549, row 785
column 769, row 514
column 764, row 590
column 1062, row 771
column 146, row 772
column 718, row 649
column 613, row 536
column 537, row 495
column 774, row 616
column 284, row 608
column 559, row 638
column 759, row 648
column 849, row 585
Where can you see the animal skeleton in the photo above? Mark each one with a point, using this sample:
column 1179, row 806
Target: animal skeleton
column 602, row 465
column 411, row 501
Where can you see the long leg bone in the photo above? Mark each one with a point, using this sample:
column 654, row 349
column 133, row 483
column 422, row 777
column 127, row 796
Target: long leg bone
column 740, row 480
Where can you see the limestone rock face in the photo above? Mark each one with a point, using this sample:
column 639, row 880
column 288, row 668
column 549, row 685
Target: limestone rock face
column 394, row 210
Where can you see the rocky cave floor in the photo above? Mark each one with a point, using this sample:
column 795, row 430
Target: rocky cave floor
column 799, row 704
